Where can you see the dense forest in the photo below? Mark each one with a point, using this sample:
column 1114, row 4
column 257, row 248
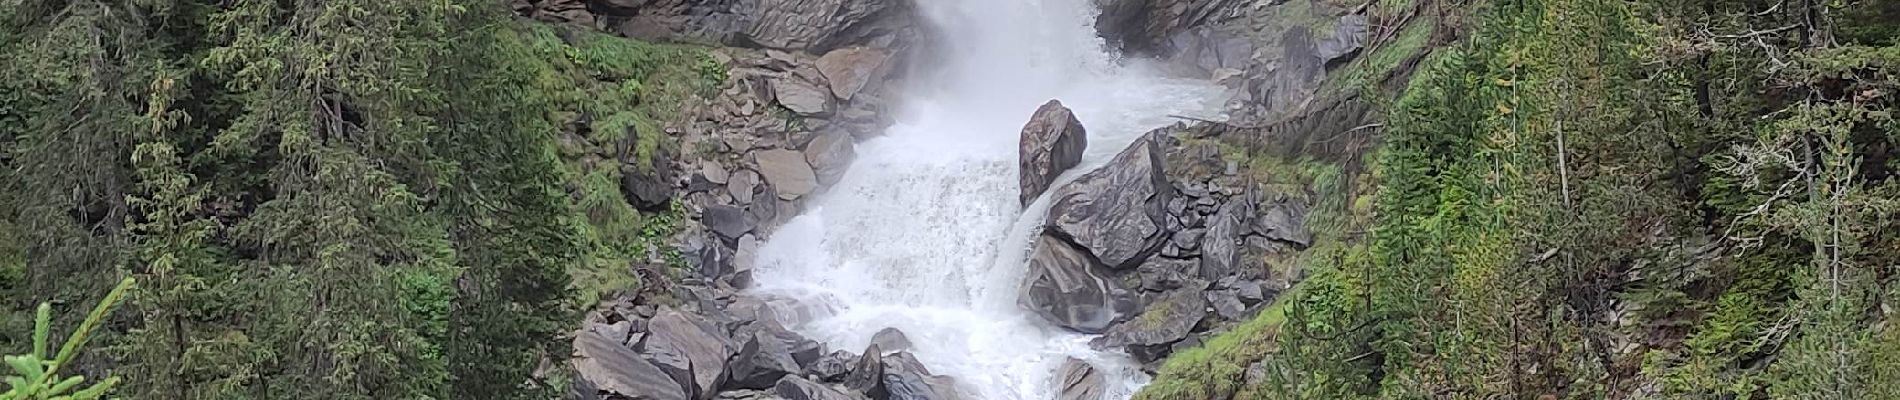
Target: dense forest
column 363, row 199
column 376, row 199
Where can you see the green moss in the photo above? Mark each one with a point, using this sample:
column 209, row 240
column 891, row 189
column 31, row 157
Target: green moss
column 1216, row 368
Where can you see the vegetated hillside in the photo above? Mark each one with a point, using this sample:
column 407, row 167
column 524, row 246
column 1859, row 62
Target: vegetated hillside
column 357, row 199
column 1603, row 199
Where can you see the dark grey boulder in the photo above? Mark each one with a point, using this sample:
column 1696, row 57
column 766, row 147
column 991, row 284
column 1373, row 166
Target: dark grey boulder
column 1167, row 320
column 793, row 387
column 677, row 339
column 728, row 221
column 1116, row 212
column 1226, row 304
column 1284, row 222
column 769, row 352
column 867, row 375
column 832, row 367
column 611, row 368
column 1221, row 248
column 1160, row 274
column 821, row 25
column 907, row 379
column 1052, row 142
column 1347, row 38
column 1064, row 287
column 1077, row 380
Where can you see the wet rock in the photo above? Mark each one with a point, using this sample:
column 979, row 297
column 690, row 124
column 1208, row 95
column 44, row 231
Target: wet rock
column 1052, row 142
column 743, row 259
column 677, row 341
column 1220, row 251
column 1077, row 380
column 1065, row 288
column 793, row 387
column 832, row 367
column 614, row 369
column 802, row 97
column 829, row 155
column 850, row 69
column 787, row 172
column 1167, row 320
column 867, row 374
column 1116, row 212
column 820, row 25
column 728, row 221
column 907, row 379
column 769, row 352
column 890, row 339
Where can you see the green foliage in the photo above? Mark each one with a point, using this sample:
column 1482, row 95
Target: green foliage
column 37, row 372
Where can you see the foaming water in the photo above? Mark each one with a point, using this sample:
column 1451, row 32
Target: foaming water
column 923, row 232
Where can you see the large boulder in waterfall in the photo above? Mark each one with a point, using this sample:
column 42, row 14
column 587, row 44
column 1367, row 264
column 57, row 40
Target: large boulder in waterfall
column 1077, row 380
column 907, row 379
column 850, row 69
column 821, row 25
column 611, row 368
column 1220, row 253
column 788, row 172
column 686, row 346
column 832, row 367
column 793, row 387
column 1052, row 142
column 1117, row 212
column 1166, row 320
column 1064, row 287
column 890, row 339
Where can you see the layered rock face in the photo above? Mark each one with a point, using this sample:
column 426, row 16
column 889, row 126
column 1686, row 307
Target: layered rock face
column 1160, row 245
column 815, row 26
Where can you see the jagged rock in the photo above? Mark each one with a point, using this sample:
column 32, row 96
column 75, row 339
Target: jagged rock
column 1286, row 223
column 890, row 339
column 743, row 186
column 728, row 221
column 830, row 154
column 1347, row 38
column 1116, row 212
column 617, row 332
column 1167, row 320
column 1078, row 380
column 1052, row 142
column 615, row 369
column 820, row 25
column 677, row 339
column 647, row 189
column 907, row 379
column 787, row 171
column 867, row 375
column 801, row 97
column 1065, row 288
column 850, row 69
column 743, row 259
column 1160, row 274
column 832, row 367
column 793, row 387
column 1226, row 304
column 769, row 352
column 1250, row 292
column 1220, row 250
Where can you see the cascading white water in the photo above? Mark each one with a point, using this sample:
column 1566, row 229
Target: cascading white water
column 923, row 232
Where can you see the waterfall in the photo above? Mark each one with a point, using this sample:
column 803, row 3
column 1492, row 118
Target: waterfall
column 923, row 231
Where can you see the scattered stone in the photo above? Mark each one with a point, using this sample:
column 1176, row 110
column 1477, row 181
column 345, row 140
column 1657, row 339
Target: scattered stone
column 674, row 335
column 743, row 185
column 1078, row 380
column 801, row 97
column 713, row 172
column 830, row 155
column 1162, row 274
column 770, row 352
column 728, row 221
column 1286, row 223
column 1220, row 252
column 1052, row 142
column 792, row 387
column 1226, row 304
column 867, row 376
column 1165, row 321
column 850, row 69
column 787, row 172
column 832, row 367
column 603, row 363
